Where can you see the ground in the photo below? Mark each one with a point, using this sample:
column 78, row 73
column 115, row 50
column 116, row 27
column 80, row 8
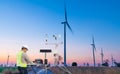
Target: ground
column 75, row 70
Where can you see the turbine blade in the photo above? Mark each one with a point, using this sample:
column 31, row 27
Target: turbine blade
column 66, row 20
column 69, row 27
column 102, row 52
column 65, row 11
column 93, row 43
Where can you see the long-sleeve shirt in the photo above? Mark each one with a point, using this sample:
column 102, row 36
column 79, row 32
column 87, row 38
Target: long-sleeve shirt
column 25, row 59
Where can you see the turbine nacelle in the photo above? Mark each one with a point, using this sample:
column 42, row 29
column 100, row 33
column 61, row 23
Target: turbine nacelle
column 63, row 22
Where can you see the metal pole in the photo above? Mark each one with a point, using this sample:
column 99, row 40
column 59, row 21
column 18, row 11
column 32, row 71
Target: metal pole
column 102, row 56
column 94, row 57
column 65, row 44
column 45, row 55
column 112, row 59
column 45, row 59
column 102, row 59
column 8, row 60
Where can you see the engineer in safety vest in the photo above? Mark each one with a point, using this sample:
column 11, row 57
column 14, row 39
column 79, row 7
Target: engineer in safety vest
column 23, row 60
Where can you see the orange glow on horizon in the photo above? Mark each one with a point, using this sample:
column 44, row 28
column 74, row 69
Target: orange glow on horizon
column 3, row 59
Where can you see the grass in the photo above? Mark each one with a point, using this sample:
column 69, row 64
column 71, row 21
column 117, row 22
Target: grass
column 74, row 70
column 2, row 69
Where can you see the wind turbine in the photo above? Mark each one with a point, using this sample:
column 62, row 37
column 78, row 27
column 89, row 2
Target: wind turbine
column 94, row 48
column 112, row 59
column 8, row 60
column 102, row 55
column 66, row 24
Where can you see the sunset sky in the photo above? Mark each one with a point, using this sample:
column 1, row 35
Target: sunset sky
column 26, row 22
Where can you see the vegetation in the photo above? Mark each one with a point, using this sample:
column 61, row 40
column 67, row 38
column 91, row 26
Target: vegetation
column 74, row 70
column 6, row 69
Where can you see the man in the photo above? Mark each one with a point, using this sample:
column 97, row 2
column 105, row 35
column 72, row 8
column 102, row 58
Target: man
column 23, row 60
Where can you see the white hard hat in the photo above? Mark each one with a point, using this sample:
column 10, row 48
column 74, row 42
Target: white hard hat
column 55, row 51
column 25, row 46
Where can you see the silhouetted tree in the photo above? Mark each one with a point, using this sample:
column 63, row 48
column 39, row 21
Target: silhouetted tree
column 74, row 64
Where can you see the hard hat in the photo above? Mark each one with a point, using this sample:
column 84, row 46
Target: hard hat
column 25, row 46
column 55, row 51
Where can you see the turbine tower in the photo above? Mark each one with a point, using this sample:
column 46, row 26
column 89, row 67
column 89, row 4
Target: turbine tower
column 112, row 60
column 8, row 60
column 66, row 24
column 102, row 55
column 94, row 48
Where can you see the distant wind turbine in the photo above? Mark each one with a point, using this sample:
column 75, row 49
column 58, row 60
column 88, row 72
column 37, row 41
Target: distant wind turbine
column 112, row 59
column 94, row 48
column 8, row 60
column 102, row 55
column 66, row 24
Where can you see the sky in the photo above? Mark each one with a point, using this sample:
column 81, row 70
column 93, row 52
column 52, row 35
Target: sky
column 26, row 22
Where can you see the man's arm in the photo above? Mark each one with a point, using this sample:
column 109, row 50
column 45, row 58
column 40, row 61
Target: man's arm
column 27, row 58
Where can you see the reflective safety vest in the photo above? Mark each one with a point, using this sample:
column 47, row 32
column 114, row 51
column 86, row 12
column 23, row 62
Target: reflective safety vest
column 19, row 60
